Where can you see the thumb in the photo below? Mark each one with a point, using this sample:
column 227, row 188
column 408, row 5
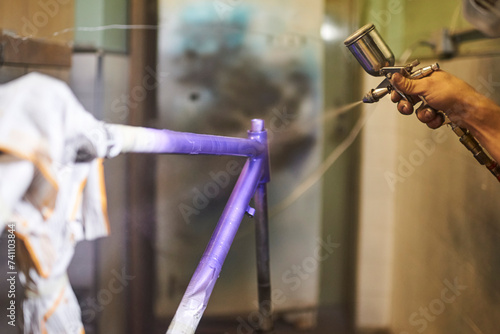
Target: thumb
column 405, row 85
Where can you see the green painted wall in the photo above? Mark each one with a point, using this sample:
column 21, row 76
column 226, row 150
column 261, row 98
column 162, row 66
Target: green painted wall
column 99, row 13
column 405, row 23
column 340, row 182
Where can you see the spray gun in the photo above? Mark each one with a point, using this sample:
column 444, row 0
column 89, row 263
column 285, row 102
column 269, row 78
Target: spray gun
column 377, row 59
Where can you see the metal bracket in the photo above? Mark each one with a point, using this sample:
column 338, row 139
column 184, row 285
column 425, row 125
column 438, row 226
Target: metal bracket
column 250, row 211
column 404, row 70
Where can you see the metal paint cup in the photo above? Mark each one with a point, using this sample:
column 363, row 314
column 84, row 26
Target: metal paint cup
column 370, row 50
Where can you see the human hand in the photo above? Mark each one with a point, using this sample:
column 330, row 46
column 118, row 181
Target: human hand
column 442, row 91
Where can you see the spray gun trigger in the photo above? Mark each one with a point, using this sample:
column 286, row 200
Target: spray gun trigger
column 384, row 84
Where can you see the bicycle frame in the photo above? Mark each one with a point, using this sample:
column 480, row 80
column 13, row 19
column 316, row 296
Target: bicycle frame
column 252, row 181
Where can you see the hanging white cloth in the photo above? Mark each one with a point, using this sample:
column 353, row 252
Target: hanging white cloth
column 52, row 190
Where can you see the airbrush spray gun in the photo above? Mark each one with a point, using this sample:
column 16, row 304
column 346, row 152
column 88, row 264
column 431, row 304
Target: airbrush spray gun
column 377, row 59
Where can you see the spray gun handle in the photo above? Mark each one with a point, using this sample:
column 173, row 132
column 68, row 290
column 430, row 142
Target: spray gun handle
column 385, row 86
column 425, row 105
column 466, row 138
column 421, row 73
column 408, row 72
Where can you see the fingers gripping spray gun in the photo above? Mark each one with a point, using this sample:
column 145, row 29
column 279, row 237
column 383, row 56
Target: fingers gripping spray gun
column 377, row 59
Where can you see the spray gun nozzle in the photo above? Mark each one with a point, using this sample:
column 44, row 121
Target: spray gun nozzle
column 368, row 98
column 375, row 95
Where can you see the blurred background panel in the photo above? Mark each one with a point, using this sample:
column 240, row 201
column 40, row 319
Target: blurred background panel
column 223, row 64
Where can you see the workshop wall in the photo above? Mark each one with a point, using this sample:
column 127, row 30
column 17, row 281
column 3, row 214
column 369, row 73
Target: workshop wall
column 429, row 213
column 447, row 224
column 28, row 40
column 38, row 19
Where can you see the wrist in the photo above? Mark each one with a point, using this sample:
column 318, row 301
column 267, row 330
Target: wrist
column 480, row 114
column 482, row 118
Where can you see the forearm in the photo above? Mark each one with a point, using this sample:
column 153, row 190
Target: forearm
column 463, row 105
column 483, row 121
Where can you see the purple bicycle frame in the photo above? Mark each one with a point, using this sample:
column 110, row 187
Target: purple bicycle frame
column 252, row 181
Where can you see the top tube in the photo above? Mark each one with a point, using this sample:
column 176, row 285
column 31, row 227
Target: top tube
column 191, row 143
column 148, row 140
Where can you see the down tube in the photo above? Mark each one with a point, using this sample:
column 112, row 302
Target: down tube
column 195, row 299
